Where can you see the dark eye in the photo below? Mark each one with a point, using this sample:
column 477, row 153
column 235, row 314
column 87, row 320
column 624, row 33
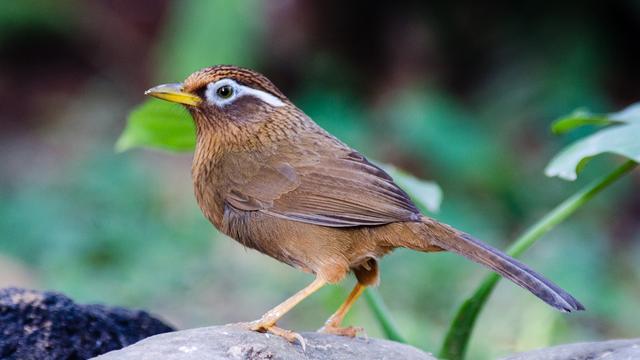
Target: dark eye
column 225, row 91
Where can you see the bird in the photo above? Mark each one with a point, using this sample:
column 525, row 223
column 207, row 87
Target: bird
column 265, row 174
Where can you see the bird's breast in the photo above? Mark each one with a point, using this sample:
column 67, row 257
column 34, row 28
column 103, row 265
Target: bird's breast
column 208, row 183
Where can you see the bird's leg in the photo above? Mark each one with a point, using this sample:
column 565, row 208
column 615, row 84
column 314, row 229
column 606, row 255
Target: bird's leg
column 332, row 325
column 267, row 323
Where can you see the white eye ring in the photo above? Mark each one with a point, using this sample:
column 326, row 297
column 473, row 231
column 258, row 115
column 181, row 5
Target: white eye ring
column 212, row 92
column 237, row 91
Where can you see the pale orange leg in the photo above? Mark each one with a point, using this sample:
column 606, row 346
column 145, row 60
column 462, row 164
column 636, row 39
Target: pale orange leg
column 332, row 325
column 268, row 321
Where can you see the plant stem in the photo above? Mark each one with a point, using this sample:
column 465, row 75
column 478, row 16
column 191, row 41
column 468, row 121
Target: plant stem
column 381, row 313
column 457, row 339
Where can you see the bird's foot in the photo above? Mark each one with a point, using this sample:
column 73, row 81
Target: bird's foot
column 349, row 331
column 270, row 327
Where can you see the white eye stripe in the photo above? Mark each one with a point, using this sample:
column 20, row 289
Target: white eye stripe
column 238, row 91
column 262, row 95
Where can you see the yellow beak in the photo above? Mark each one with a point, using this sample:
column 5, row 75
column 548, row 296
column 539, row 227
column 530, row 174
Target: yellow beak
column 173, row 93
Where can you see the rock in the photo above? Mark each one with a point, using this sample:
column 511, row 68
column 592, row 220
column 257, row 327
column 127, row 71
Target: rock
column 609, row 350
column 48, row 325
column 235, row 343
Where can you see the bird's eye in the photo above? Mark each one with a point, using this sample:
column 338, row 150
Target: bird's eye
column 225, row 91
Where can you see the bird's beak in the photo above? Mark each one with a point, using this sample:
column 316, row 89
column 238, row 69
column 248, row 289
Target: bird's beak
column 174, row 93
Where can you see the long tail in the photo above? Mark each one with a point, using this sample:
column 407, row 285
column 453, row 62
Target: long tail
column 450, row 239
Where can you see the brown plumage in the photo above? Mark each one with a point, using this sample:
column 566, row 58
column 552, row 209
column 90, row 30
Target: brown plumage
column 269, row 177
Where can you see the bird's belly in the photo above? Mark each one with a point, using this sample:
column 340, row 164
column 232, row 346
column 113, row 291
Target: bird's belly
column 328, row 252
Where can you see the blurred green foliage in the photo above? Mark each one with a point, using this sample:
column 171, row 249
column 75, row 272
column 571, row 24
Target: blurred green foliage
column 43, row 16
column 449, row 92
column 202, row 32
column 122, row 210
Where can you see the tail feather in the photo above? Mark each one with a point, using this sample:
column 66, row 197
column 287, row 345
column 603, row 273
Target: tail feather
column 460, row 243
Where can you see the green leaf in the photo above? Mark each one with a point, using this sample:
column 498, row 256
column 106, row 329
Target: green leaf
column 426, row 194
column 160, row 125
column 578, row 118
column 621, row 139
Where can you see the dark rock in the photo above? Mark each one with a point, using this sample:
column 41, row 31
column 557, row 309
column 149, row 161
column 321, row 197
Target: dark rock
column 234, row 342
column 609, row 350
column 48, row 325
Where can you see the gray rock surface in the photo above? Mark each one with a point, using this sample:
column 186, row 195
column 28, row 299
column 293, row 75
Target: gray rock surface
column 606, row 350
column 234, row 342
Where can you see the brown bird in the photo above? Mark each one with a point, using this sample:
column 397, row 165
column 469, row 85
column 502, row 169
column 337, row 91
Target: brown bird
column 268, row 176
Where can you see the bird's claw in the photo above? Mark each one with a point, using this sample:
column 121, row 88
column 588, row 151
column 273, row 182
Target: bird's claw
column 268, row 327
column 289, row 335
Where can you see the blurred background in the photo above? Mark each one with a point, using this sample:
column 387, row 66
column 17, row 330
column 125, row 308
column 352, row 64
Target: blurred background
column 461, row 93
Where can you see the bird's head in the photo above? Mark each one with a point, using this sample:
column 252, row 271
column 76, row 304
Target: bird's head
column 225, row 95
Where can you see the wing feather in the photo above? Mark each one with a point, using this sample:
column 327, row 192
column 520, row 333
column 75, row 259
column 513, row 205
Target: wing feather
column 337, row 188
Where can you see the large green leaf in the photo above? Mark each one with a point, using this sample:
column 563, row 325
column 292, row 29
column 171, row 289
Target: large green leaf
column 621, row 139
column 160, row 125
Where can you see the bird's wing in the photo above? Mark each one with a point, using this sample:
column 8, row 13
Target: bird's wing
column 336, row 187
